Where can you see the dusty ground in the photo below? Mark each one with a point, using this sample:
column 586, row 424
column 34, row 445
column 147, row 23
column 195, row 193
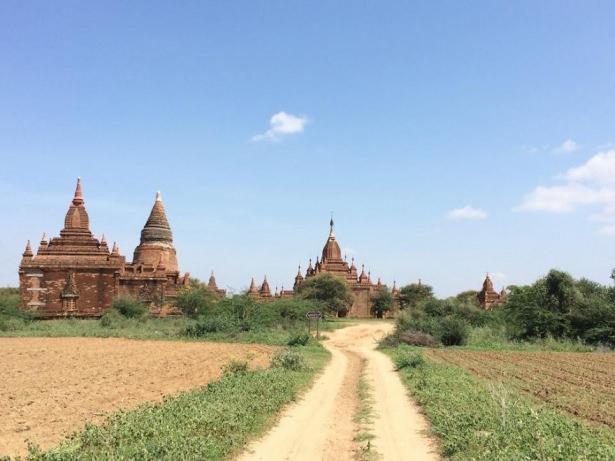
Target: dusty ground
column 321, row 426
column 50, row 387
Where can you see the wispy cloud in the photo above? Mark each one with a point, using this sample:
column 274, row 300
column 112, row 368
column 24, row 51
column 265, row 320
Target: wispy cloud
column 282, row 124
column 589, row 184
column 568, row 146
column 468, row 213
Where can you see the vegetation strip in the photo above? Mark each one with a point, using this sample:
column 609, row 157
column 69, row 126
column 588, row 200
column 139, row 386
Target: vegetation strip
column 209, row 423
column 364, row 418
column 478, row 420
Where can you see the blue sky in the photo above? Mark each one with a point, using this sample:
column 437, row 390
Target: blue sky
column 257, row 119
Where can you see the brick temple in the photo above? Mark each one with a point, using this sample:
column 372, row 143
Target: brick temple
column 77, row 275
column 332, row 262
column 488, row 298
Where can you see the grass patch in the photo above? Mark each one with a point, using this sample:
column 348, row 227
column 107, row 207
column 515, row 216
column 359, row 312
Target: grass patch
column 364, row 418
column 213, row 422
column 113, row 325
column 478, row 420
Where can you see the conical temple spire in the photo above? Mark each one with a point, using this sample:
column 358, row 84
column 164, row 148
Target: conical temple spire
column 28, row 251
column 212, row 281
column 265, row 291
column 252, row 288
column 77, row 220
column 157, row 227
column 331, row 250
column 78, row 198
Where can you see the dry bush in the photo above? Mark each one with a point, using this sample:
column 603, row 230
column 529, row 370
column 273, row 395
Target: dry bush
column 416, row 338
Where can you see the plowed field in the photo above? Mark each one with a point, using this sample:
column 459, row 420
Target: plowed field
column 50, row 387
column 582, row 384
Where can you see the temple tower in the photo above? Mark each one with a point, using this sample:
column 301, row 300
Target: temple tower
column 156, row 246
column 488, row 298
column 72, row 274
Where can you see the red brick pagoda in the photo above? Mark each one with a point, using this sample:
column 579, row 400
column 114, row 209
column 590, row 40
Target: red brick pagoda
column 75, row 274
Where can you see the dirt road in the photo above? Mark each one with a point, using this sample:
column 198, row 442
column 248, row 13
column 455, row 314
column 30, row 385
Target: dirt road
column 52, row 386
column 321, row 426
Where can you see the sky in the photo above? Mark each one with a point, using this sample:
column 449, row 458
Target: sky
column 449, row 139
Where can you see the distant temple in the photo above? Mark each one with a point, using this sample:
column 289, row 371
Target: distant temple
column 488, row 298
column 76, row 274
column 331, row 261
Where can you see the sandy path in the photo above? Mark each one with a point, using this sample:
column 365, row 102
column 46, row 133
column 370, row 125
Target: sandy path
column 49, row 387
column 321, row 427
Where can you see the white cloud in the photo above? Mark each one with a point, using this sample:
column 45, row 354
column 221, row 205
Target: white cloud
column 564, row 198
column 567, row 147
column 590, row 184
column 598, row 169
column 282, row 124
column 467, row 212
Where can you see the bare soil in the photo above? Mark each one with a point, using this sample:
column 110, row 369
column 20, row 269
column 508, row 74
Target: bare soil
column 50, row 387
column 321, row 426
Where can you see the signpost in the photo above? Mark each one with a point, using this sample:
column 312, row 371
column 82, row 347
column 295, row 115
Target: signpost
column 314, row 315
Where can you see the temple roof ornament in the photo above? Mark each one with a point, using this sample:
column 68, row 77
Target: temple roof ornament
column 212, row 281
column 265, row 291
column 331, row 250
column 77, row 219
column 252, row 288
column 28, row 251
column 488, row 284
column 78, row 198
column 363, row 277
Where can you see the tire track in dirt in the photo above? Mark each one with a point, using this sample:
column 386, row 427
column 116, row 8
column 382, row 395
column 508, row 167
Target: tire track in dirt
column 321, row 426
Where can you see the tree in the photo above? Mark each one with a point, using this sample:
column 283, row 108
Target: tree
column 468, row 297
column 561, row 290
column 331, row 291
column 195, row 300
column 382, row 302
column 411, row 295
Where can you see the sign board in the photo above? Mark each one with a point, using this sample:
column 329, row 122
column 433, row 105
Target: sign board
column 313, row 315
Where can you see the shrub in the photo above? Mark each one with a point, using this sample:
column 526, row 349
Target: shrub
column 416, row 338
column 298, row 339
column 408, row 360
column 208, row 325
column 289, row 360
column 194, row 302
column 293, row 310
column 235, row 367
column 453, row 331
column 111, row 319
column 130, row 308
